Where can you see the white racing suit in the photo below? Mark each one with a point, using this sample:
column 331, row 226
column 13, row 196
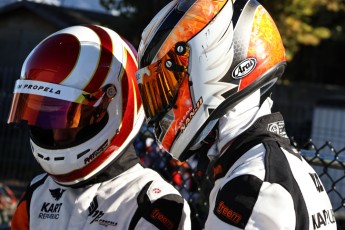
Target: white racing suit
column 261, row 182
column 126, row 196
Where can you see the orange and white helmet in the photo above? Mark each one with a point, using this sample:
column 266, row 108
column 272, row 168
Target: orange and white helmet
column 199, row 58
column 79, row 77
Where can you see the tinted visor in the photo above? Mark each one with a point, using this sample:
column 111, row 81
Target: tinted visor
column 53, row 106
column 159, row 82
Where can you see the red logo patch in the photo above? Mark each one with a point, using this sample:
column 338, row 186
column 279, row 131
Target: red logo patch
column 156, row 190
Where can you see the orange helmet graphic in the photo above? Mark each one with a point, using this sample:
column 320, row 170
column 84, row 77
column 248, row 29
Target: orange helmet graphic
column 199, row 58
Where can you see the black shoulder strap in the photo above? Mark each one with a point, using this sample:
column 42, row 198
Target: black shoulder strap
column 143, row 201
column 275, row 161
column 30, row 190
column 164, row 213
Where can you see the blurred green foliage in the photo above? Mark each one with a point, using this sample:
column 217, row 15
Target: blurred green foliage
column 300, row 22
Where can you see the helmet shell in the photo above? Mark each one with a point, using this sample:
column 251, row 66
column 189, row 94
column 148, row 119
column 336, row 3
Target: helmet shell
column 87, row 59
column 234, row 50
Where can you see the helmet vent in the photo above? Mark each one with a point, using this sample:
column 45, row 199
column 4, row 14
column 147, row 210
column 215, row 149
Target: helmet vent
column 59, row 158
column 41, row 156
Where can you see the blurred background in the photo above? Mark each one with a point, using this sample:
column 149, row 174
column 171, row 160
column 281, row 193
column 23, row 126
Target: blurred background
column 311, row 94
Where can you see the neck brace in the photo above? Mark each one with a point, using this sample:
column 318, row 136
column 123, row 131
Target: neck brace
column 237, row 120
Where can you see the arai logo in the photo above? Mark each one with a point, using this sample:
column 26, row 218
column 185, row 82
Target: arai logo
column 244, row 68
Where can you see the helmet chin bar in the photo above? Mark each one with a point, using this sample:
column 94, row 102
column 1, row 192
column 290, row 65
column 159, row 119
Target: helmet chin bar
column 265, row 82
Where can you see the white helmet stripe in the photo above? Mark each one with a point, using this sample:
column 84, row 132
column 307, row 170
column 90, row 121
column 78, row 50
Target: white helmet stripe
column 84, row 35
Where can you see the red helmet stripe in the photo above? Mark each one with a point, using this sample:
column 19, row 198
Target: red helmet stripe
column 104, row 61
column 129, row 91
column 132, row 67
column 50, row 56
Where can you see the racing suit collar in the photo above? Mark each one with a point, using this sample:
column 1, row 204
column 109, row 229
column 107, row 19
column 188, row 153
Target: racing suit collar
column 126, row 160
column 267, row 127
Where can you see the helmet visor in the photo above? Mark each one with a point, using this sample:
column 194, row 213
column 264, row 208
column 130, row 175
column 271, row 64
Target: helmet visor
column 159, row 82
column 53, row 106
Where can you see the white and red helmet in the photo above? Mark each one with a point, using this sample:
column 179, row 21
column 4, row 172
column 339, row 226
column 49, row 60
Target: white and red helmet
column 81, row 76
column 199, row 58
